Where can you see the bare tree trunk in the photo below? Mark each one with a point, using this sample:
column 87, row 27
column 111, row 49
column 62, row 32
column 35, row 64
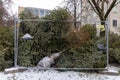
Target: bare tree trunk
column 102, row 33
column 75, row 19
column 102, row 21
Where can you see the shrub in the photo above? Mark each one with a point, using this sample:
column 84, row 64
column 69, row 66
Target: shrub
column 114, row 55
column 76, row 38
column 90, row 29
column 6, row 47
column 114, row 48
column 82, row 51
column 85, row 56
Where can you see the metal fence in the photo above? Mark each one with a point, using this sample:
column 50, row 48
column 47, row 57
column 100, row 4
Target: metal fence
column 44, row 37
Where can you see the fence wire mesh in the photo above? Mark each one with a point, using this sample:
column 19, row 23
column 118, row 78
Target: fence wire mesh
column 85, row 46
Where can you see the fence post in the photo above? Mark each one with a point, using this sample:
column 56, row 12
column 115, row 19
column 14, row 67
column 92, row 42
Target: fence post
column 107, row 41
column 15, row 43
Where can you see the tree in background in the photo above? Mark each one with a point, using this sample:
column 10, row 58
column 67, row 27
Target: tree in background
column 73, row 6
column 6, row 47
column 83, row 9
column 103, row 8
column 5, row 18
column 80, row 10
column 6, row 35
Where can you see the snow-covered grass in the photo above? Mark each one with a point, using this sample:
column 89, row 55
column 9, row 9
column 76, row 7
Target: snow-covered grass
column 14, row 68
column 33, row 73
column 56, row 75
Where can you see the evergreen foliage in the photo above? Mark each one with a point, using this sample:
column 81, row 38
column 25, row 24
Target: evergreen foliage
column 83, row 52
column 6, row 47
column 48, row 36
column 114, row 49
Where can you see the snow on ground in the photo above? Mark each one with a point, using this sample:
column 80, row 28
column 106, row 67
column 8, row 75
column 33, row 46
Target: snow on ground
column 56, row 75
column 113, row 69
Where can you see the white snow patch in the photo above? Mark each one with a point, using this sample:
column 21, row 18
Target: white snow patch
column 112, row 69
column 10, row 69
column 56, row 75
column 14, row 68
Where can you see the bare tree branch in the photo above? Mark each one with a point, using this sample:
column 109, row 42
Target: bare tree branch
column 96, row 6
column 102, row 5
column 99, row 7
column 117, row 3
column 93, row 7
column 110, row 8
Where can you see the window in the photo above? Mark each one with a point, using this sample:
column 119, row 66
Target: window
column 115, row 23
column 41, row 12
column 35, row 12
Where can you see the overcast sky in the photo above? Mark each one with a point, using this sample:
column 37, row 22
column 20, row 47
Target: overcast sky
column 46, row 4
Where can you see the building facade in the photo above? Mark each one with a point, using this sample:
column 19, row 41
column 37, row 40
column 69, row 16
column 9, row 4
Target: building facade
column 36, row 11
column 114, row 20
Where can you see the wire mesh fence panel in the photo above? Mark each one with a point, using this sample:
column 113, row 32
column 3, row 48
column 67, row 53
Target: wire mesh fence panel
column 67, row 43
